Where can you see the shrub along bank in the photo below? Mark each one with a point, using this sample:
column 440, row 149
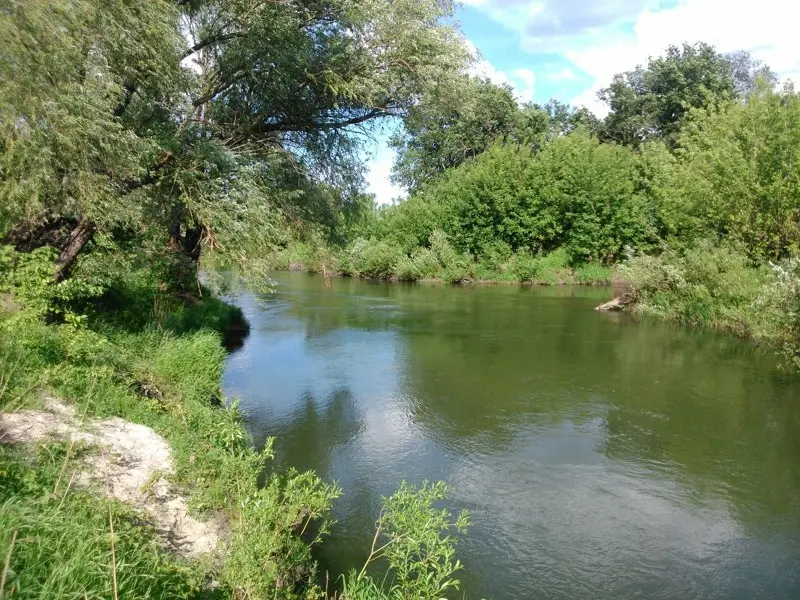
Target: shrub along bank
column 438, row 261
column 718, row 286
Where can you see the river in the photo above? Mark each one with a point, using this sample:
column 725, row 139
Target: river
column 599, row 456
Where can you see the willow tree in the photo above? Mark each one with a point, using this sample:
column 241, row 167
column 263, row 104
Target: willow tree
column 198, row 121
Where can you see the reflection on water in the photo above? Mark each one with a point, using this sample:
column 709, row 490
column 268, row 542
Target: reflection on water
column 599, row 456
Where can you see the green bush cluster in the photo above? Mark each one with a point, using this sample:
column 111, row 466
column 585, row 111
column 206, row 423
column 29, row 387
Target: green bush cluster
column 718, row 286
column 731, row 174
column 414, row 540
column 370, row 258
column 439, row 260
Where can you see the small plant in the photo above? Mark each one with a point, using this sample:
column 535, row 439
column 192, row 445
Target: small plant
column 524, row 267
column 371, row 258
column 416, row 541
column 407, row 269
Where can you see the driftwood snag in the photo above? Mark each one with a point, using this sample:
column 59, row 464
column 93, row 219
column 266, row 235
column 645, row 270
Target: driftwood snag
column 617, row 304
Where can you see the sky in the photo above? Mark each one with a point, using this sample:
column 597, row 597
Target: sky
column 569, row 49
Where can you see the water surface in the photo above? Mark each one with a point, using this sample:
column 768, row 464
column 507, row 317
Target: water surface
column 599, row 456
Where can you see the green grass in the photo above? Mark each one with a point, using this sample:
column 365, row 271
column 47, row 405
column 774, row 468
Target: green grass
column 62, row 539
column 161, row 370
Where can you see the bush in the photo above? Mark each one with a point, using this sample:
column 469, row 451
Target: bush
column 711, row 285
column 780, row 304
column 738, row 175
column 574, row 193
column 407, row 269
column 524, row 267
column 371, row 258
column 453, row 267
column 416, row 541
column 593, row 274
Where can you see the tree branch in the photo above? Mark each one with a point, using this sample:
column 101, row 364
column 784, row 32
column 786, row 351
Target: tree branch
column 312, row 126
column 211, row 41
column 130, row 90
column 131, row 185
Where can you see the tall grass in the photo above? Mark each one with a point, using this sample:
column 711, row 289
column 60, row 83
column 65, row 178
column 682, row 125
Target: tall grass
column 63, row 542
column 162, row 370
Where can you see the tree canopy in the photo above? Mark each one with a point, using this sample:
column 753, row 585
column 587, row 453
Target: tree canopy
column 187, row 120
column 651, row 102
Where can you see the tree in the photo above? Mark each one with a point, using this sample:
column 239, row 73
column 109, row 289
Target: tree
column 68, row 165
column 454, row 123
column 651, row 102
column 746, row 73
column 738, row 174
column 563, row 118
column 574, row 193
column 112, row 118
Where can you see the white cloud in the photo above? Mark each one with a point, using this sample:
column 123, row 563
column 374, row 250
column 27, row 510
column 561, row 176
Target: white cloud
column 551, row 25
column 565, row 74
column 522, row 80
column 526, row 76
column 604, row 38
column 379, row 170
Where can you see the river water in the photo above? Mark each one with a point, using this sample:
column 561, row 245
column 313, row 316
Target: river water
column 599, row 456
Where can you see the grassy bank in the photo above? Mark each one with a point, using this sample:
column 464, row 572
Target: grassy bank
column 155, row 358
column 375, row 259
column 162, row 371
column 716, row 286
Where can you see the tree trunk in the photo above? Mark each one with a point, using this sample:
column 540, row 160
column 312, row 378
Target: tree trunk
column 191, row 243
column 78, row 238
column 44, row 230
column 185, row 243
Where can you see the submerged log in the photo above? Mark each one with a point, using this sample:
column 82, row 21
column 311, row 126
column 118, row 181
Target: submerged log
column 617, row 304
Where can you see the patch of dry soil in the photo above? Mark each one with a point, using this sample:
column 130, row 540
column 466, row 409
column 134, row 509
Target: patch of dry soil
column 131, row 465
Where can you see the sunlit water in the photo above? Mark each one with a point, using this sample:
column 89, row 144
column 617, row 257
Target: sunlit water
column 598, row 456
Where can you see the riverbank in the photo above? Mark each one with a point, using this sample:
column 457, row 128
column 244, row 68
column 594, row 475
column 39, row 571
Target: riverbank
column 440, row 263
column 709, row 285
column 155, row 365
column 716, row 286
column 128, row 474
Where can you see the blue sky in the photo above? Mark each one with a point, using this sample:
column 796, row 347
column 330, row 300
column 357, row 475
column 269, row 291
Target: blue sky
column 569, row 49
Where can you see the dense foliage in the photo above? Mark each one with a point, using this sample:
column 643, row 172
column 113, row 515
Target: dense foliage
column 140, row 137
column 200, row 125
column 452, row 124
column 717, row 286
